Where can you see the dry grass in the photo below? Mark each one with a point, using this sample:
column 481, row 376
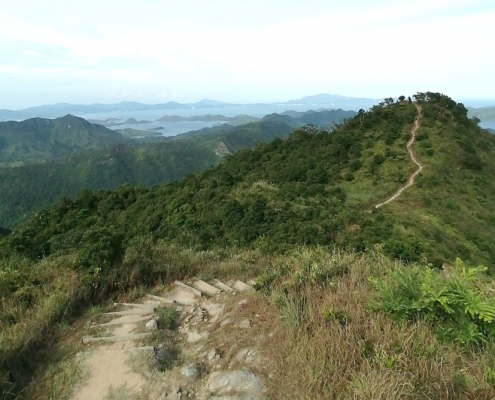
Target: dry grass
column 334, row 347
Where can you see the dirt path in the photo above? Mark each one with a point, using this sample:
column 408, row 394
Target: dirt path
column 412, row 177
column 212, row 352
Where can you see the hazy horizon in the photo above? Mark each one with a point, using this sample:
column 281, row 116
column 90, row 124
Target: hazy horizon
column 160, row 51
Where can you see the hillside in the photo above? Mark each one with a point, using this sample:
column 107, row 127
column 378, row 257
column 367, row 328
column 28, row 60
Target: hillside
column 31, row 187
column 335, row 314
column 316, row 188
column 322, row 118
column 39, row 140
column 483, row 113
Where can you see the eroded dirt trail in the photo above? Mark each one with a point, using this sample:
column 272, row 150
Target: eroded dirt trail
column 412, row 177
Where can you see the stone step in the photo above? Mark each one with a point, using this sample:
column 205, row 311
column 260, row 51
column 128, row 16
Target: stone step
column 133, row 311
column 160, row 299
column 118, row 338
column 187, row 287
column 135, row 305
column 221, row 285
column 129, row 350
column 184, row 296
column 241, row 286
column 206, row 287
column 125, row 320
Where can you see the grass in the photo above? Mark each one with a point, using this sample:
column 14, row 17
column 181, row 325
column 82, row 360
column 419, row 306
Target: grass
column 328, row 343
column 63, row 378
column 317, row 329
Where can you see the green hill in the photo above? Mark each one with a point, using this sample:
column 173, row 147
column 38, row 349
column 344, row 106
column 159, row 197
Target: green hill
column 299, row 214
column 31, row 187
column 315, row 187
column 39, row 140
column 484, row 113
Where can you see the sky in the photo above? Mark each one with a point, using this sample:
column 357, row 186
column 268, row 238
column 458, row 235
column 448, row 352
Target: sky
column 154, row 51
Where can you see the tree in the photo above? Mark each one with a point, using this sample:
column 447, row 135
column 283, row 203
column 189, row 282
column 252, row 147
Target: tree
column 402, row 98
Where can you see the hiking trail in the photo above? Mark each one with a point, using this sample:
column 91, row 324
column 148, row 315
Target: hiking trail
column 412, row 177
column 209, row 350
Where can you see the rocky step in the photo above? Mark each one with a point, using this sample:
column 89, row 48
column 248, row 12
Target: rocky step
column 206, row 287
column 188, row 288
column 133, row 311
column 118, row 338
column 222, row 286
column 240, row 286
column 134, row 305
column 160, row 299
column 125, row 320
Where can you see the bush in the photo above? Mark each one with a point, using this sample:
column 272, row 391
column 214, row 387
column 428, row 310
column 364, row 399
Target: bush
column 409, row 249
column 453, row 302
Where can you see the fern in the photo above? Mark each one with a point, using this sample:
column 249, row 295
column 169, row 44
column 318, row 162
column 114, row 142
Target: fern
column 454, row 302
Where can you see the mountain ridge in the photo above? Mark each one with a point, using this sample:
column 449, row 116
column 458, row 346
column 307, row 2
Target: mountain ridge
column 55, row 110
column 39, row 139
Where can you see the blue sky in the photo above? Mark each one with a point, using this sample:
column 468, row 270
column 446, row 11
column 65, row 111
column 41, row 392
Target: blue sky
column 156, row 51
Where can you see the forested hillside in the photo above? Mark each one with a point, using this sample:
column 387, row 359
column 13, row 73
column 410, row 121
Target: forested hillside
column 39, row 140
column 145, row 163
column 316, row 187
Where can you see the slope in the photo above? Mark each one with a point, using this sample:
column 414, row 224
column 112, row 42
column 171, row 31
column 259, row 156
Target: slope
column 314, row 188
column 39, row 140
column 31, row 187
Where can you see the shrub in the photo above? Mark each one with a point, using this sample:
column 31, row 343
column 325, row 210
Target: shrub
column 453, row 302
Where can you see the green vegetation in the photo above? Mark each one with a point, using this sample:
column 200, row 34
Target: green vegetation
column 39, row 140
column 316, row 187
column 382, row 328
column 330, row 341
column 455, row 301
column 150, row 162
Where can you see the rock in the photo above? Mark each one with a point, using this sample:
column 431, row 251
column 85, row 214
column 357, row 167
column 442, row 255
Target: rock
column 162, row 358
column 152, row 325
column 243, row 302
column 193, row 371
column 246, row 355
column 234, row 382
column 195, row 336
column 213, row 354
column 244, row 324
column 226, row 321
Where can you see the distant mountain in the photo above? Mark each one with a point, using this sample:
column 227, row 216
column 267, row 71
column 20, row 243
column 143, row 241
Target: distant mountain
column 324, row 118
column 38, row 140
column 329, row 99
column 57, row 110
column 484, row 113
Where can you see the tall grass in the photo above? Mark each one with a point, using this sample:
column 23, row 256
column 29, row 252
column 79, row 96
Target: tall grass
column 329, row 343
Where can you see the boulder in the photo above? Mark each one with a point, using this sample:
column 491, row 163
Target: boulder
column 234, row 382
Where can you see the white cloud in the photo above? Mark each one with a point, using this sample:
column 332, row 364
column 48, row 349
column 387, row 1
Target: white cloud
column 356, row 47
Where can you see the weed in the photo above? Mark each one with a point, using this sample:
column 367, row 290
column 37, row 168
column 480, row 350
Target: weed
column 166, row 317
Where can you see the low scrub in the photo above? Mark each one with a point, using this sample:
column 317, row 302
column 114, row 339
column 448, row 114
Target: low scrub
column 454, row 301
